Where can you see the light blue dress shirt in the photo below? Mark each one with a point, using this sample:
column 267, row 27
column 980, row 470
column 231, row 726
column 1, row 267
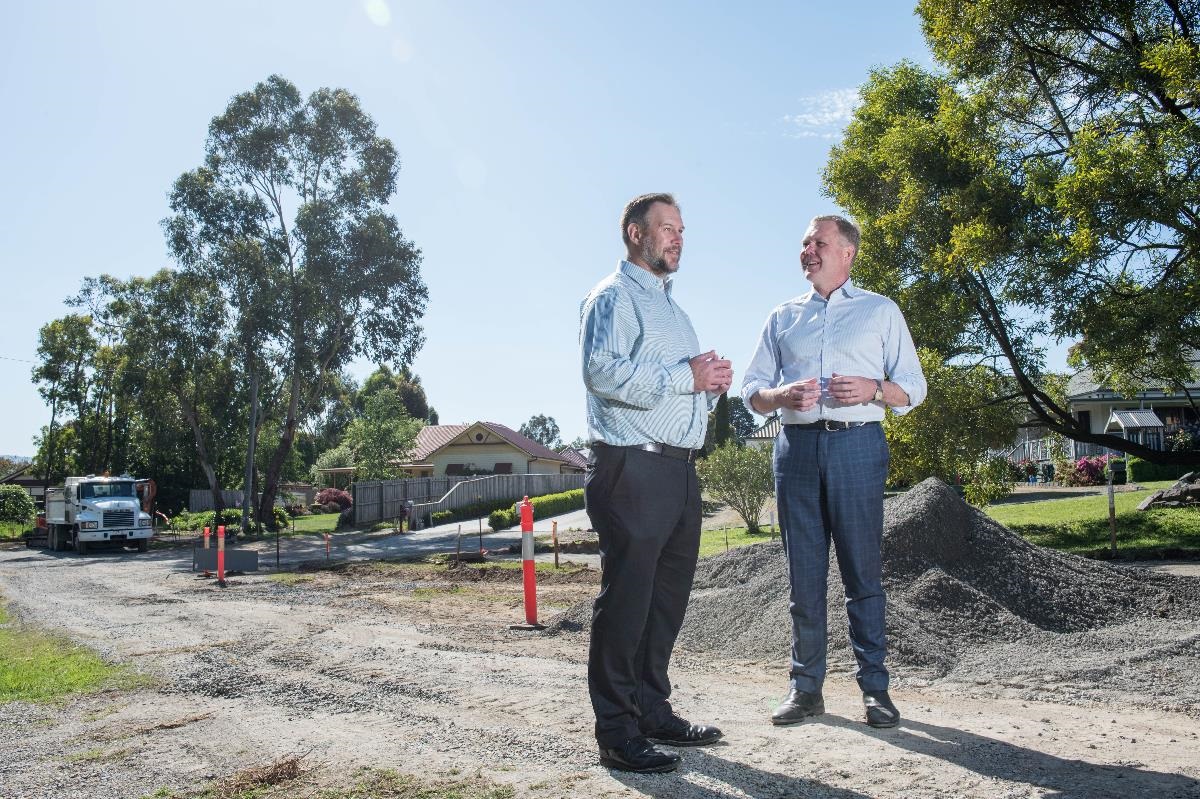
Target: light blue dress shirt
column 855, row 332
column 636, row 344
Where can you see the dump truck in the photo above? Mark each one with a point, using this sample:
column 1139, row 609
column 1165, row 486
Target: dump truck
column 97, row 510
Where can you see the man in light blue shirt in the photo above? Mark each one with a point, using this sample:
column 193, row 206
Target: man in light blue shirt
column 831, row 361
column 649, row 391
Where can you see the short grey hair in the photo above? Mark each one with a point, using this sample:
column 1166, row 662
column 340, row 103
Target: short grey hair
column 636, row 210
column 849, row 230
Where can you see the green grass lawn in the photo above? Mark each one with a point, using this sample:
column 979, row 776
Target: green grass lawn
column 713, row 542
column 36, row 666
column 1080, row 524
column 317, row 523
column 11, row 532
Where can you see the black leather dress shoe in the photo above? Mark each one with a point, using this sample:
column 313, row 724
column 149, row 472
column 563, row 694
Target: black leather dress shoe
column 639, row 755
column 880, row 710
column 680, row 732
column 798, row 706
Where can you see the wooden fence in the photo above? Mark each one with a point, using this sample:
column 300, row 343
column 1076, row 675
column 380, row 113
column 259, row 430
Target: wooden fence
column 377, row 500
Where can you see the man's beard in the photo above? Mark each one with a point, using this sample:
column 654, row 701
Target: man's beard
column 657, row 260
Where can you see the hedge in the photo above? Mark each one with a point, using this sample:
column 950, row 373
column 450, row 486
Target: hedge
column 543, row 507
column 473, row 511
column 230, row 517
column 1141, row 471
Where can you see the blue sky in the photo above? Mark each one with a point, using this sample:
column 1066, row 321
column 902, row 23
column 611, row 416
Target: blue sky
column 522, row 127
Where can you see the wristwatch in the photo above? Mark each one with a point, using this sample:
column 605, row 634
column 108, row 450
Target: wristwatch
column 878, row 391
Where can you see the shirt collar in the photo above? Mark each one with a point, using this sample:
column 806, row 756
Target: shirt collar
column 644, row 278
column 847, row 290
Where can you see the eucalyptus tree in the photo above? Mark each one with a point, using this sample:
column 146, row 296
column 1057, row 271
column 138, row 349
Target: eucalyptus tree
column 1042, row 184
column 176, row 348
column 288, row 216
column 66, row 349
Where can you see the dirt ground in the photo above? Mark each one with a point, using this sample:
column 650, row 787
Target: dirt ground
column 412, row 668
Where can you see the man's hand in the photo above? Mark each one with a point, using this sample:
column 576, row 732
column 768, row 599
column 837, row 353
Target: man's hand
column 801, row 395
column 851, row 390
column 710, row 372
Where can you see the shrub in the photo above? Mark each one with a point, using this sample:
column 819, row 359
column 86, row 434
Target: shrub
column 337, row 495
column 1087, row 471
column 1141, row 471
column 16, row 506
column 543, row 507
column 472, row 511
column 230, row 517
column 741, row 477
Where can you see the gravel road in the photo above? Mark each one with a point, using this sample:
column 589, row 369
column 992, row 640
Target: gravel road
column 393, row 665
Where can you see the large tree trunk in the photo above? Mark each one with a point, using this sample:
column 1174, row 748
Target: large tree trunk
column 189, row 413
column 251, row 445
column 270, row 488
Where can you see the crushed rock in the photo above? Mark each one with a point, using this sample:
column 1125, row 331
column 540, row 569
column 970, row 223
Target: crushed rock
column 970, row 602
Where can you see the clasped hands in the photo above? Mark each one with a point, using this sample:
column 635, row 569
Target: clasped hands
column 802, row 395
column 711, row 372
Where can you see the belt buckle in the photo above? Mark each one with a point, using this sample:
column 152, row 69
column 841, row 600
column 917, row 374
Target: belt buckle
column 828, row 422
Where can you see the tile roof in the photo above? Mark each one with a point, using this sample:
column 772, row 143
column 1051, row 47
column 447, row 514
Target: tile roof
column 432, row 438
column 574, row 457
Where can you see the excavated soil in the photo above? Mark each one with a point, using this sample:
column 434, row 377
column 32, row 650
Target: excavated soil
column 970, row 602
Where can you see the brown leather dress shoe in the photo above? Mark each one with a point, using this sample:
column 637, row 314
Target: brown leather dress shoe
column 638, row 755
column 798, row 706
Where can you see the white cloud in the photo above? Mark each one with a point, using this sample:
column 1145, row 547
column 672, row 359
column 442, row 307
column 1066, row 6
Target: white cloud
column 823, row 115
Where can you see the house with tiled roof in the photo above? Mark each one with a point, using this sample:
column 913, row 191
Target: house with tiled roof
column 481, row 448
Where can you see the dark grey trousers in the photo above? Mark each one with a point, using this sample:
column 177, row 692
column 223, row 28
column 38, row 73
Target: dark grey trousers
column 645, row 508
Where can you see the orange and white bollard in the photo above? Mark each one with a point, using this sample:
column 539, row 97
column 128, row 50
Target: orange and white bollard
column 207, row 573
column 221, row 555
column 527, row 567
column 326, row 546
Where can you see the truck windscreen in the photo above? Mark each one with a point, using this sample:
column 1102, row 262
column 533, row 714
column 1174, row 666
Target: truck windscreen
column 102, row 490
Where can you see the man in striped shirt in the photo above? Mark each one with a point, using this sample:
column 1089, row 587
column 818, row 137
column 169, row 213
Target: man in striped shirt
column 831, row 361
column 649, row 391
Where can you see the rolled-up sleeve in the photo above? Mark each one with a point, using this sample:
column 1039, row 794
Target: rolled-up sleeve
column 764, row 368
column 901, row 363
column 609, row 334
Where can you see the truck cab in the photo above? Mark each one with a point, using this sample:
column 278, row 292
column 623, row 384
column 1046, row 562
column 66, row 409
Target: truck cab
column 95, row 510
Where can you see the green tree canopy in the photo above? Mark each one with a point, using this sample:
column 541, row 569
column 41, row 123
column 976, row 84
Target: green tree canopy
column 382, row 437
column 1041, row 185
column 289, row 215
column 542, row 429
column 741, row 419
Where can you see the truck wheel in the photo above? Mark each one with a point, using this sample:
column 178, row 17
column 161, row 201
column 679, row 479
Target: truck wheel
column 143, row 545
column 52, row 538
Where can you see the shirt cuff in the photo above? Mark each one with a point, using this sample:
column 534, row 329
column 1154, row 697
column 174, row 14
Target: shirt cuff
column 900, row 410
column 681, row 378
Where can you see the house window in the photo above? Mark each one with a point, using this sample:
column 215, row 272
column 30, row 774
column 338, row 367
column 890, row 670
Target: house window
column 455, row 468
column 1085, row 420
column 502, row 468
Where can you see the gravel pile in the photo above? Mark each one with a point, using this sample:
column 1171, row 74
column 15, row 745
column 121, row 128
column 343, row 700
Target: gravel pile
column 970, row 602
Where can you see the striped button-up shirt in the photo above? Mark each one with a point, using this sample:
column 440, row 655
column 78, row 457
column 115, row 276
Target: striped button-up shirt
column 855, row 332
column 636, row 344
